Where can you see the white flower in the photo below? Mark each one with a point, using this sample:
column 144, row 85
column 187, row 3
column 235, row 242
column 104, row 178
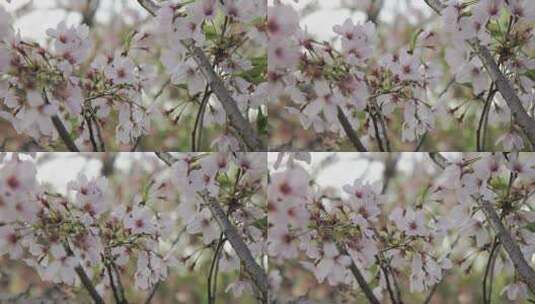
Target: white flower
column 140, row 220
column 187, row 73
column 90, row 194
column 410, row 221
column 332, row 266
column 282, row 21
column 121, row 70
column 61, row 269
column 10, row 242
column 150, row 270
column 205, row 224
column 239, row 287
column 516, row 291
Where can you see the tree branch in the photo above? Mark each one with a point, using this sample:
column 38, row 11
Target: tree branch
column 351, row 134
column 515, row 254
column 88, row 285
column 62, row 131
column 242, row 126
column 257, row 273
column 522, row 267
column 521, row 117
column 375, row 10
column 88, row 15
column 167, row 158
column 368, row 292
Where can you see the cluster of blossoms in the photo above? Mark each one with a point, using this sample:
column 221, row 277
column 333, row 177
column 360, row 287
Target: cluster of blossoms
column 334, row 233
column 233, row 32
column 85, row 83
column 96, row 231
column 506, row 27
column 65, row 81
column 382, row 87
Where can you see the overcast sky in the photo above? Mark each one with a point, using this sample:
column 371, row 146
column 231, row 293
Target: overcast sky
column 319, row 23
column 35, row 24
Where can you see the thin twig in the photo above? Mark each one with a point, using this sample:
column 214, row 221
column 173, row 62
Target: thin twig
column 99, row 135
column 388, row 285
column 488, row 270
column 120, row 286
column 257, row 273
column 167, row 158
column 152, row 292
column 88, row 15
column 113, row 287
column 482, row 126
column 91, row 134
column 211, row 274
column 197, row 124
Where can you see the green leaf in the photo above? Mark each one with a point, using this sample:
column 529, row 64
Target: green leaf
column 414, row 37
column 209, row 31
column 262, row 123
column 256, row 74
column 531, row 74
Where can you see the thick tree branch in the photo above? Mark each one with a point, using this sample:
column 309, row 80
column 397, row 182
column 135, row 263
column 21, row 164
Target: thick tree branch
column 240, row 123
column 368, row 292
column 88, row 15
column 351, row 134
column 375, row 10
column 62, row 131
column 167, row 158
column 521, row 265
column 64, row 134
column 88, row 285
column 86, row 281
column 511, row 247
column 521, row 117
column 257, row 273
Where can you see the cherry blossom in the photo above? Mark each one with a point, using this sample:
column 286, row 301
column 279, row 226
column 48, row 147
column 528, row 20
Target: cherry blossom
column 379, row 91
column 103, row 229
column 99, row 85
column 359, row 234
